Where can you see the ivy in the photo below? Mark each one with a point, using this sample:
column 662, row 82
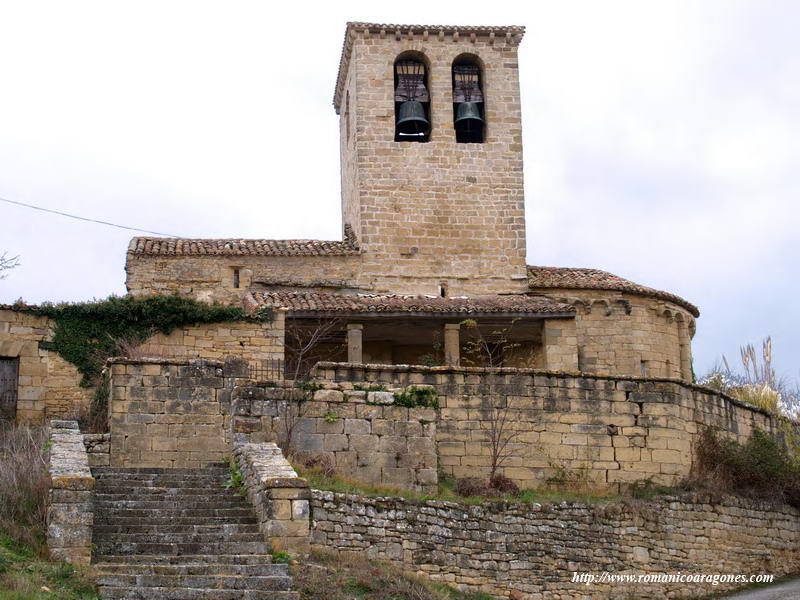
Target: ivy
column 86, row 334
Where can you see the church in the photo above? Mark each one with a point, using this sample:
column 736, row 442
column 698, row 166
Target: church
column 431, row 264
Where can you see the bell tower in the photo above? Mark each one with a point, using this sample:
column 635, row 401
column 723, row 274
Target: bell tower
column 431, row 157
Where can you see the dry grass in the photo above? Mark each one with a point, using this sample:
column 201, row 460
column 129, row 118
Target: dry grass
column 350, row 576
column 23, row 484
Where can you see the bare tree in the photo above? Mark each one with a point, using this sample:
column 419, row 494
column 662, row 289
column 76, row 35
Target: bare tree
column 309, row 341
column 7, row 263
column 501, row 436
column 488, row 349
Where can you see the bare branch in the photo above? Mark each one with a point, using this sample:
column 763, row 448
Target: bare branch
column 7, row 263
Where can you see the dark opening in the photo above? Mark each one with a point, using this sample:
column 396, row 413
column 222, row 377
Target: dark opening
column 9, row 381
column 236, row 278
column 468, row 102
column 412, row 102
column 443, row 291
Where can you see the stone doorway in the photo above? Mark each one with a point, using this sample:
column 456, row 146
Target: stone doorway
column 9, row 381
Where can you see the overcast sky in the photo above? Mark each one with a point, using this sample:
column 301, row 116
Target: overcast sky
column 662, row 140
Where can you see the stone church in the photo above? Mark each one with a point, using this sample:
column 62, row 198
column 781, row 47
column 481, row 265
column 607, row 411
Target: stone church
column 432, row 253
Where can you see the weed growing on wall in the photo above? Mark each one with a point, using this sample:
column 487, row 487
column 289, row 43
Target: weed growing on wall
column 88, row 333
column 412, row 397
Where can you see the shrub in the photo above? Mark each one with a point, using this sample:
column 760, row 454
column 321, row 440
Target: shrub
column 23, row 483
column 762, row 468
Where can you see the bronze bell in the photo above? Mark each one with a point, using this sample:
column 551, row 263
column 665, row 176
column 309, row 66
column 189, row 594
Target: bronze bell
column 411, row 121
column 468, row 115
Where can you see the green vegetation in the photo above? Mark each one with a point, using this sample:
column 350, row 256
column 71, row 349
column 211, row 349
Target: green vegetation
column 351, row 576
column 87, row 333
column 331, row 417
column 413, row 397
column 762, row 468
column 26, row 576
column 236, row 479
column 322, row 479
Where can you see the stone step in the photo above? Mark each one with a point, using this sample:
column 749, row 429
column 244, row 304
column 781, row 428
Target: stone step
column 104, row 547
column 110, row 516
column 122, row 490
column 178, row 538
column 215, row 581
column 221, row 528
column 133, row 471
column 156, row 521
column 186, row 559
column 199, row 504
column 267, row 569
column 160, row 593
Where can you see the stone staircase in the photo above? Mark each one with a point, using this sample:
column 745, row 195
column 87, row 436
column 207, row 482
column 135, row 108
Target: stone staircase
column 177, row 534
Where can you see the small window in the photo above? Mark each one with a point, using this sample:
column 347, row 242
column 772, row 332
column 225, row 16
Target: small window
column 236, row 278
column 411, row 101
column 468, row 101
column 443, row 291
column 643, row 368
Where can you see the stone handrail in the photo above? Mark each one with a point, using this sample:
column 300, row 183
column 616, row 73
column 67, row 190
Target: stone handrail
column 69, row 513
column 279, row 496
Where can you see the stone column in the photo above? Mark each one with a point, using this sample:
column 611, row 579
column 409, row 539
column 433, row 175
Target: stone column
column 560, row 341
column 452, row 344
column 685, row 341
column 355, row 349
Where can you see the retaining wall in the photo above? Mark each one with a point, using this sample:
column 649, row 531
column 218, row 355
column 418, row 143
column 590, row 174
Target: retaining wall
column 530, row 552
column 608, row 430
column 362, row 434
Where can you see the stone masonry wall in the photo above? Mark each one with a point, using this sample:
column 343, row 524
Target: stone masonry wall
column 251, row 341
column 70, row 514
column 280, row 498
column 168, row 413
column 361, row 434
column 609, row 430
column 530, row 552
column 211, row 277
column 435, row 212
column 626, row 334
column 48, row 386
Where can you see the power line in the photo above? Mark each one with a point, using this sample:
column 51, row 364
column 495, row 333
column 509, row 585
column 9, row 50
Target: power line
column 63, row 214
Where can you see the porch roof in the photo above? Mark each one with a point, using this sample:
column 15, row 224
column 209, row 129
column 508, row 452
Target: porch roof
column 323, row 304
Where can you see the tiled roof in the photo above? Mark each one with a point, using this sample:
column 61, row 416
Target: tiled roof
column 313, row 302
column 146, row 246
column 595, row 279
column 513, row 32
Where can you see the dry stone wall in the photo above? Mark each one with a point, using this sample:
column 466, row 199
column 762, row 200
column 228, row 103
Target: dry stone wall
column 361, row 434
column 70, row 514
column 532, row 551
column 606, row 430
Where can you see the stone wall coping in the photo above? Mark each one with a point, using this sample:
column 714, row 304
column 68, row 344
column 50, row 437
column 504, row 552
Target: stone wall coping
column 193, row 362
column 444, row 370
column 708, row 499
